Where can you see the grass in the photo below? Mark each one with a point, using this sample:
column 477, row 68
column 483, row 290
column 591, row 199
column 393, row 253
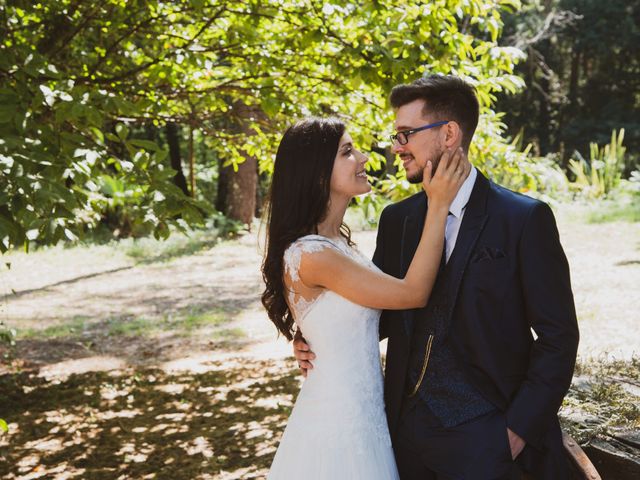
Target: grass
column 626, row 369
column 143, row 327
column 603, row 396
column 185, row 324
column 612, row 211
column 150, row 250
column 71, row 328
column 145, row 249
column 188, row 324
column 600, row 398
column 623, row 209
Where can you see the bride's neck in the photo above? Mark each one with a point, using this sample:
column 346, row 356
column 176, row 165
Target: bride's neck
column 330, row 226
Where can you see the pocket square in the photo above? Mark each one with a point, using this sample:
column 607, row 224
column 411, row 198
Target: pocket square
column 484, row 254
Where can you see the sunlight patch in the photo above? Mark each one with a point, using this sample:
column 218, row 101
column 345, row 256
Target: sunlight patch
column 275, row 402
column 62, row 370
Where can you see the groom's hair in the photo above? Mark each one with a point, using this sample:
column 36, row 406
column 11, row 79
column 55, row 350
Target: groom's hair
column 446, row 98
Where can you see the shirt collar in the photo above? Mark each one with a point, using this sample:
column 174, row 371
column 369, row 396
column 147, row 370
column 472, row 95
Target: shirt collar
column 462, row 198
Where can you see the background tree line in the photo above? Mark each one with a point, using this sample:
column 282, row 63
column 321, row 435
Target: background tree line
column 582, row 74
column 124, row 118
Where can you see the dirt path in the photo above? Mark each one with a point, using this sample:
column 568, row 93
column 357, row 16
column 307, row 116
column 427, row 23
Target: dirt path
column 93, row 294
column 605, row 268
column 101, row 286
column 173, row 367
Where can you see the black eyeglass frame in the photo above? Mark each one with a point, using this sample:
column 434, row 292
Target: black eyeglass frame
column 404, row 134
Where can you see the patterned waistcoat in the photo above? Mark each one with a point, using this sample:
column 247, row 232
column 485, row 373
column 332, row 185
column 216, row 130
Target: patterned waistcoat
column 435, row 374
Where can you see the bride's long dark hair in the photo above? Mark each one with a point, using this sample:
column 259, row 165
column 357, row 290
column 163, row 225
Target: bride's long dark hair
column 298, row 202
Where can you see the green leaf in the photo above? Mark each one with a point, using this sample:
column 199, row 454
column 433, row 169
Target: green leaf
column 122, row 131
column 146, row 144
column 98, row 134
column 111, row 137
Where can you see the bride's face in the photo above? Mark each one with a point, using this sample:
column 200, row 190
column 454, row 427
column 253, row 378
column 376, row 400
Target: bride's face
column 349, row 177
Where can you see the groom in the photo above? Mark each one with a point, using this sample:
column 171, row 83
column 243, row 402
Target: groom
column 470, row 391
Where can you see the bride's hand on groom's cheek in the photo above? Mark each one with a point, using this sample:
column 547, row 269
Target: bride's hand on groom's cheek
column 303, row 353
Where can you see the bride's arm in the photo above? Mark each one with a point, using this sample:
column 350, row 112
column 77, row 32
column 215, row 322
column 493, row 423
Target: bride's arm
column 332, row 270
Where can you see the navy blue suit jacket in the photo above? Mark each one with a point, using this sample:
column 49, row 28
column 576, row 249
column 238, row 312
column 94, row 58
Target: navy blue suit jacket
column 511, row 276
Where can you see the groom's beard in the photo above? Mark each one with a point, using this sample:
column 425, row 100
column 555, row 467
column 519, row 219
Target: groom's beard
column 419, row 175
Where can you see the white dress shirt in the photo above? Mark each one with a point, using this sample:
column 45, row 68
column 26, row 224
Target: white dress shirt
column 456, row 211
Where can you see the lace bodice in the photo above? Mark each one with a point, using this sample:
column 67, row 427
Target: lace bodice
column 341, row 334
column 338, row 427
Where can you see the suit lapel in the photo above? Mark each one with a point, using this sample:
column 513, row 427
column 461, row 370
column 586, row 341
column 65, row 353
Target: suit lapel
column 474, row 220
column 411, row 233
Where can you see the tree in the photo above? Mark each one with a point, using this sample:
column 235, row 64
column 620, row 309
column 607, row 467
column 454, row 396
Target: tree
column 70, row 70
column 239, row 182
column 582, row 73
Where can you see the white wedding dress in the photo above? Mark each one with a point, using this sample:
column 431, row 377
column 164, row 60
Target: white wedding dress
column 338, row 428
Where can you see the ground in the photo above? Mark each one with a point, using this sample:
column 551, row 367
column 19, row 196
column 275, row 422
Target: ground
column 142, row 361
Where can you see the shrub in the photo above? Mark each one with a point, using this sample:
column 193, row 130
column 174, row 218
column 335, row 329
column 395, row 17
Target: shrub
column 602, row 174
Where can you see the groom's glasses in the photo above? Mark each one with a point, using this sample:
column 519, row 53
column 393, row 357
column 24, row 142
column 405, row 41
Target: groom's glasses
column 403, row 137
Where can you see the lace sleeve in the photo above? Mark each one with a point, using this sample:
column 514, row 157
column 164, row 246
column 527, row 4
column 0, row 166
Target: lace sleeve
column 293, row 254
column 299, row 296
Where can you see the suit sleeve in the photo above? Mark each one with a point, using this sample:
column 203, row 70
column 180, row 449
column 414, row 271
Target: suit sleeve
column 378, row 260
column 550, row 311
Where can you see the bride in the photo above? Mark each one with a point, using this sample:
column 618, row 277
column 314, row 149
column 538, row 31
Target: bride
column 317, row 281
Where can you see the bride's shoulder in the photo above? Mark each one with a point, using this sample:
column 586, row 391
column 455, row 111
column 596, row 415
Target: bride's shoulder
column 310, row 243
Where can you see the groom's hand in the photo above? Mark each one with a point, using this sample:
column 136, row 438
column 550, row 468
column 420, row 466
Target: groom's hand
column 303, row 353
column 516, row 443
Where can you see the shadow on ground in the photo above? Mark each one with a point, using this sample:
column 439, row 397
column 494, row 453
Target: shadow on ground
column 146, row 423
column 136, row 341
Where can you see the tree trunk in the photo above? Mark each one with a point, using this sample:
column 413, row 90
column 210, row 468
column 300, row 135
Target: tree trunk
column 223, row 182
column 573, row 81
column 261, row 193
column 173, row 139
column 544, row 116
column 192, row 164
column 237, row 190
column 241, row 191
column 571, row 111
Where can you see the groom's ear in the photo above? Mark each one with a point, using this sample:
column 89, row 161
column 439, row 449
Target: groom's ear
column 452, row 135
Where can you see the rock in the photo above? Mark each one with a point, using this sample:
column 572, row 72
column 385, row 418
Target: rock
column 614, row 458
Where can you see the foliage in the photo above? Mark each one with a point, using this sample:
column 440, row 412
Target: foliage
column 602, row 396
column 602, row 173
column 149, row 250
column 7, row 335
column 618, row 210
column 632, row 186
column 76, row 78
column 58, row 103
column 623, row 204
column 583, row 60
